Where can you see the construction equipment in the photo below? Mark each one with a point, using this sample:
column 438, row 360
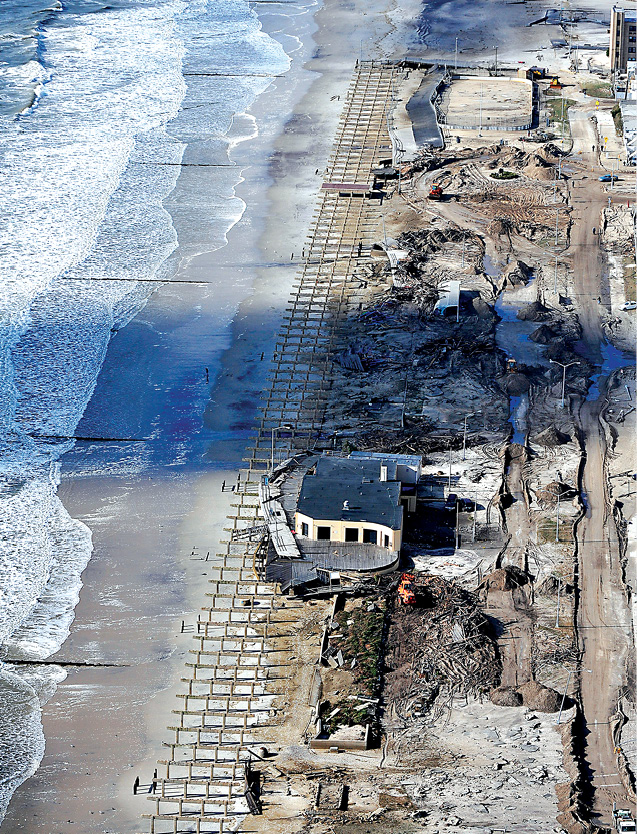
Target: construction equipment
column 512, row 366
column 555, row 83
column 406, row 589
column 436, row 192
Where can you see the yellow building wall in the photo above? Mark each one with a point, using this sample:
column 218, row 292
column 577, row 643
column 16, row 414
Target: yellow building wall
column 337, row 530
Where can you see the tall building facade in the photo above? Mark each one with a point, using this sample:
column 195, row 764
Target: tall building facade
column 623, row 39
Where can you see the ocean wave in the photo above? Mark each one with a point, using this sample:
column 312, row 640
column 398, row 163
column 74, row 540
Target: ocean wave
column 109, row 101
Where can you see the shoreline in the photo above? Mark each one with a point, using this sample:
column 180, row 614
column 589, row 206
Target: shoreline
column 165, row 582
column 76, row 783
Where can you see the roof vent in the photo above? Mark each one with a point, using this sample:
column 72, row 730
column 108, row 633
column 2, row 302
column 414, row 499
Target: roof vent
column 346, row 505
column 383, row 473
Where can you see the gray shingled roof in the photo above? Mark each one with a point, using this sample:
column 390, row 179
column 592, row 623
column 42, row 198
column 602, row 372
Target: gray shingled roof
column 357, row 481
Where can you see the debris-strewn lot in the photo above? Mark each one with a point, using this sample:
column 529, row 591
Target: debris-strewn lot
column 469, row 681
column 502, row 767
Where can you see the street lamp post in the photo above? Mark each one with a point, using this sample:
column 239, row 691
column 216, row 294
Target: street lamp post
column 558, row 176
column 564, row 367
column 568, row 680
column 275, row 429
column 455, row 66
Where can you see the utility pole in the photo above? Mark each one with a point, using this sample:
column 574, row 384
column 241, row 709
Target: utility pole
column 558, row 176
column 557, row 227
column 455, row 66
column 555, row 278
column 559, row 588
column 464, row 436
column 481, row 94
column 475, row 513
column 449, row 467
column 496, row 60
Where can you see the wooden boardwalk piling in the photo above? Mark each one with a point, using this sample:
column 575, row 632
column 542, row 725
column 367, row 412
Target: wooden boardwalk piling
column 243, row 637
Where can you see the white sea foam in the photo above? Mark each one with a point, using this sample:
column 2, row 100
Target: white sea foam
column 58, row 201
column 88, row 167
column 110, row 81
column 21, row 736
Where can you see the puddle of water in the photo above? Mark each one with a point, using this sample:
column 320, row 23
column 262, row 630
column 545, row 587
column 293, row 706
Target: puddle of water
column 612, row 359
column 512, row 336
column 489, row 266
column 517, row 417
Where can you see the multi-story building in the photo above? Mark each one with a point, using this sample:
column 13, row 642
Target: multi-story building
column 623, row 40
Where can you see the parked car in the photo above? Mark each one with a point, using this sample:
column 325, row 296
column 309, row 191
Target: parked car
column 466, row 504
column 608, row 178
column 629, row 305
column 451, row 501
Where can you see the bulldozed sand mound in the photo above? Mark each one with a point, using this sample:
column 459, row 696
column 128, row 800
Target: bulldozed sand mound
column 543, row 335
column 551, row 437
column 535, row 311
column 505, row 579
column 505, row 696
column 516, row 384
column 532, row 695
column 539, row 697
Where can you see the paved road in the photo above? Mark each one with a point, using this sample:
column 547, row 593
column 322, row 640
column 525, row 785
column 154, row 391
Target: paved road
column 603, row 621
column 423, row 114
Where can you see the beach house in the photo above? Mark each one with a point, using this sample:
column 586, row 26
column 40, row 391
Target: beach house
column 360, row 499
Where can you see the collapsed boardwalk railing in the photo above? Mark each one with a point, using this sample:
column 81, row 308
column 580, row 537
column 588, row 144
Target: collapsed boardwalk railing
column 240, row 664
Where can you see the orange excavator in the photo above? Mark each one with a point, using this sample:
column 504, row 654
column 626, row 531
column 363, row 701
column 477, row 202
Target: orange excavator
column 407, row 589
column 436, row 192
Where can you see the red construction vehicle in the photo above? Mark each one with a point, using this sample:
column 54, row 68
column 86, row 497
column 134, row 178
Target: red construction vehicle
column 436, row 192
column 406, row 589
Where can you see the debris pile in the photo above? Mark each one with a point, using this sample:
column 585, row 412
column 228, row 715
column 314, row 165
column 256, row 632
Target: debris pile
column 438, row 650
column 618, row 229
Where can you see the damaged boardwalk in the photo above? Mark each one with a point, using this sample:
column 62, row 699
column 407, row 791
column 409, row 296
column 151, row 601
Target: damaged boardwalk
column 342, row 232
column 244, row 639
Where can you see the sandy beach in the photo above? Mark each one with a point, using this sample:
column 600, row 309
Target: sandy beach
column 106, row 723
column 156, row 525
